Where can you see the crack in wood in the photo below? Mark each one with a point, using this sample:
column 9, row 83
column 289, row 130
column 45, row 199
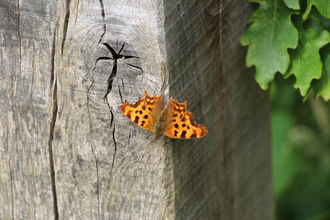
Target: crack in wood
column 66, row 22
column 50, row 149
column 93, row 153
column 103, row 18
column 102, row 9
column 115, row 150
column 115, row 56
column 90, row 119
column 51, row 130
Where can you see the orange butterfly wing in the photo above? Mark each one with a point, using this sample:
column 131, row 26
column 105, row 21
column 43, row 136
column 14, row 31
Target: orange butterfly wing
column 145, row 112
column 180, row 122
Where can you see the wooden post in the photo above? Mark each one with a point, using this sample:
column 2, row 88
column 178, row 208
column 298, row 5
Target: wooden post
column 68, row 153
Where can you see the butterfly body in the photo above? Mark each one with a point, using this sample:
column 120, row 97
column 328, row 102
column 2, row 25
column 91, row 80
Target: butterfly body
column 173, row 121
column 160, row 124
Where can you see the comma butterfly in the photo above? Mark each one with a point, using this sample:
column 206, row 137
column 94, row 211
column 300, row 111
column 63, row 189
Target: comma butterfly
column 174, row 121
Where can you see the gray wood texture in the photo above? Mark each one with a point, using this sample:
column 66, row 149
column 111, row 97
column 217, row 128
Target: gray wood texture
column 68, row 153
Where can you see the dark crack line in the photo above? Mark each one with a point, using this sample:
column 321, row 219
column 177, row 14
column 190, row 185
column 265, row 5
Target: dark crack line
column 50, row 148
column 102, row 9
column 115, row 56
column 93, row 153
column 88, row 110
column 111, row 113
column 115, row 150
column 51, row 130
column 111, row 120
column 66, row 22
column 137, row 67
column 121, row 97
column 90, row 118
column 122, row 83
column 77, row 10
column 104, row 24
column 111, row 78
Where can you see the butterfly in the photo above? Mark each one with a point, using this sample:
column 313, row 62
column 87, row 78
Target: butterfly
column 173, row 121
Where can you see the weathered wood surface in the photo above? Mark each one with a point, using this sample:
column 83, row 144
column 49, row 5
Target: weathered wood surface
column 227, row 175
column 66, row 153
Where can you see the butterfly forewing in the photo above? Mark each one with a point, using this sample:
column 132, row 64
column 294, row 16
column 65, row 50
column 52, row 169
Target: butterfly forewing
column 144, row 112
column 180, row 123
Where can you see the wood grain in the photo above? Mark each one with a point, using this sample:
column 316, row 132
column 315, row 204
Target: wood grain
column 227, row 174
column 25, row 105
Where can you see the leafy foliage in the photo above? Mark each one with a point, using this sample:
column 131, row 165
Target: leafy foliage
column 291, row 37
column 300, row 153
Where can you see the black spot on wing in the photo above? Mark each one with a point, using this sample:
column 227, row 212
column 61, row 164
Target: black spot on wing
column 136, row 120
column 183, row 134
column 193, row 135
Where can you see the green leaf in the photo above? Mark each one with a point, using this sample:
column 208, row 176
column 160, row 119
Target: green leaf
column 268, row 38
column 322, row 86
column 294, row 4
column 315, row 22
column 322, row 6
column 306, row 62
